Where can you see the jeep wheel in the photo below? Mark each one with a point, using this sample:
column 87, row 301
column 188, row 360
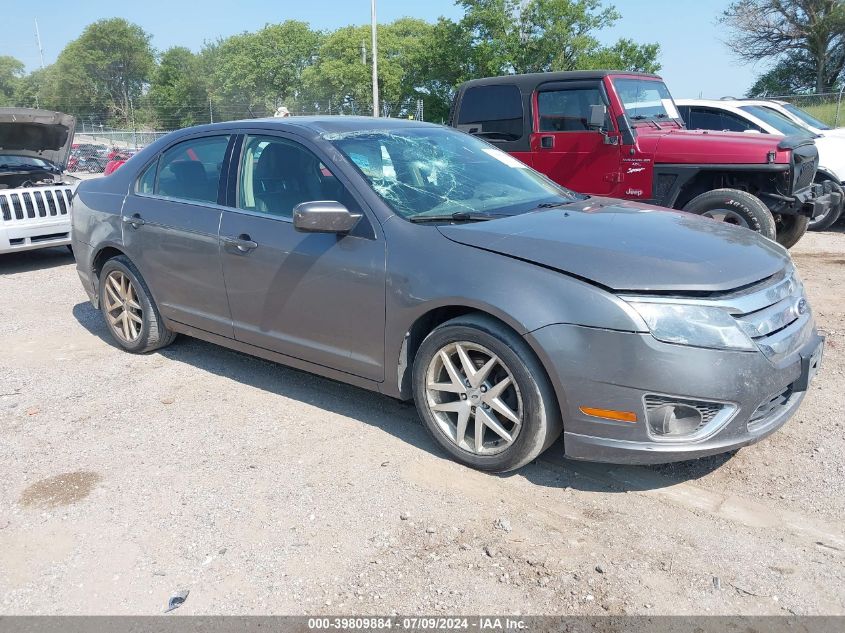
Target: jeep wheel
column 734, row 207
column 825, row 221
column 791, row 228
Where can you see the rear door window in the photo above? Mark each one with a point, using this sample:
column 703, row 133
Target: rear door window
column 191, row 170
column 492, row 112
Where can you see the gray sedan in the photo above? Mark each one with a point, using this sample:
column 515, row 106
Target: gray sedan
column 423, row 263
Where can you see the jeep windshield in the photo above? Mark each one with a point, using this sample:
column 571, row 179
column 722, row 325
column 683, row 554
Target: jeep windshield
column 645, row 99
column 778, row 121
column 434, row 174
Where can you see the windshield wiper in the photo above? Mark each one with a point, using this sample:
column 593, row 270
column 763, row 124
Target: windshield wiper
column 457, row 216
column 553, row 205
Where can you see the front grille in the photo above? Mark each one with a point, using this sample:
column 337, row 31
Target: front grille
column 804, row 164
column 775, row 316
column 768, row 408
column 42, row 202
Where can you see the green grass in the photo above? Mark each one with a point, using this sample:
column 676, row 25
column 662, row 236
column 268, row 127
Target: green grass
column 823, row 111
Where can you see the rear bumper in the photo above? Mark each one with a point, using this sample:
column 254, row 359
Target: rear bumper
column 27, row 236
column 617, row 370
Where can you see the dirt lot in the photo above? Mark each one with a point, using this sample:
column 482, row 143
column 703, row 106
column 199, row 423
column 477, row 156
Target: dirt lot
column 124, row 479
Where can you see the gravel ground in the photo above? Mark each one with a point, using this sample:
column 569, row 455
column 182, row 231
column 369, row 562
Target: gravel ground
column 125, row 479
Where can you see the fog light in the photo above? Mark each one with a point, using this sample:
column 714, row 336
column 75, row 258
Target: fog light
column 674, row 419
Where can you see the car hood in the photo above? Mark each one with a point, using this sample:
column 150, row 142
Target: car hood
column 37, row 133
column 626, row 246
column 682, row 146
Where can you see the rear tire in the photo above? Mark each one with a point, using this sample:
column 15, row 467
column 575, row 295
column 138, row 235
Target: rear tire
column 736, row 207
column 827, row 220
column 499, row 415
column 791, row 228
column 127, row 305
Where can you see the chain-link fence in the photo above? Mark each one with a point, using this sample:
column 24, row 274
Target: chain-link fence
column 99, row 148
column 826, row 107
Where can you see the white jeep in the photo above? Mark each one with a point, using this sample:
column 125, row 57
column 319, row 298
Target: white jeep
column 35, row 194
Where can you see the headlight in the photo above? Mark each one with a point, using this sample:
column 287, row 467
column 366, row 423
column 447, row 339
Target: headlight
column 699, row 326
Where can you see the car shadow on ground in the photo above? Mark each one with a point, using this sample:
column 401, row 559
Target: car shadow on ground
column 41, row 259
column 400, row 418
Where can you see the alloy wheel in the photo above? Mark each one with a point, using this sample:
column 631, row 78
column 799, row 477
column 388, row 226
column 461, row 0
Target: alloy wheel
column 123, row 308
column 474, row 398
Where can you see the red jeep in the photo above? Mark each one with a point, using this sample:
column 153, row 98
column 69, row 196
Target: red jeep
column 619, row 134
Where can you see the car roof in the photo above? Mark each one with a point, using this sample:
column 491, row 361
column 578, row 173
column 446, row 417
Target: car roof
column 317, row 125
column 529, row 81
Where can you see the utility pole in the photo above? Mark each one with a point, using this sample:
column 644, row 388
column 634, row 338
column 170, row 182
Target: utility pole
column 375, row 60
column 38, row 40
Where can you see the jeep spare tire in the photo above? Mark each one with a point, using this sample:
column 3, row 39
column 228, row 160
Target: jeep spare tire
column 734, row 207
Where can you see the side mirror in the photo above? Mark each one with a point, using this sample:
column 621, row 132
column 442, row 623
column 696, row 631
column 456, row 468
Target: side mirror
column 324, row 217
column 598, row 117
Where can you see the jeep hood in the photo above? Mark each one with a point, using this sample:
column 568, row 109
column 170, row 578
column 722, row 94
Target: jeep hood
column 37, row 133
column 626, row 246
column 705, row 147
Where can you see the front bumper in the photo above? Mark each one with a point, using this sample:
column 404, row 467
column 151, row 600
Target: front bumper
column 817, row 200
column 616, row 370
column 37, row 233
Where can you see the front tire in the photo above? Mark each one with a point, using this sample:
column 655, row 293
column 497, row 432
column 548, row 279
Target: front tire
column 736, row 207
column 127, row 305
column 483, row 395
column 791, row 228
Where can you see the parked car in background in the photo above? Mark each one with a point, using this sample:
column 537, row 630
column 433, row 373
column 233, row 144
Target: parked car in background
column 35, row 193
column 804, row 118
column 116, row 159
column 420, row 262
column 619, row 134
column 758, row 116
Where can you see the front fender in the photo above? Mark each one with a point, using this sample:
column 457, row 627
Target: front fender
column 423, row 277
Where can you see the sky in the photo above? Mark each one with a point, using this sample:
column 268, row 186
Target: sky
column 695, row 61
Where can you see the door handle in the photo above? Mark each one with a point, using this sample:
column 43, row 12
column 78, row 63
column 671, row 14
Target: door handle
column 547, row 142
column 135, row 220
column 242, row 242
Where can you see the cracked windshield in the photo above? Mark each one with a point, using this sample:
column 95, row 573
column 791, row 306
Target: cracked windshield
column 438, row 174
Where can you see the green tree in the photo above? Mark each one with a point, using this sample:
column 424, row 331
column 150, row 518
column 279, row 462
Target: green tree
column 624, row 55
column 11, row 73
column 178, row 92
column 34, row 90
column 794, row 73
column 103, row 72
column 262, row 70
column 342, row 80
column 544, row 35
column 810, row 32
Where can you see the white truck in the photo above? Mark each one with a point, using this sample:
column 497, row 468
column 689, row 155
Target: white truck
column 35, row 193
